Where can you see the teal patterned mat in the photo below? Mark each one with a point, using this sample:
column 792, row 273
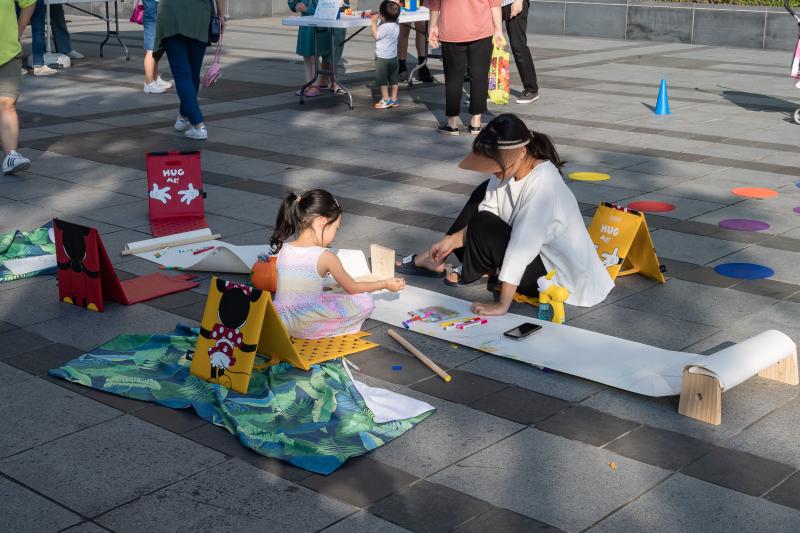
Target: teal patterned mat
column 21, row 244
column 315, row 420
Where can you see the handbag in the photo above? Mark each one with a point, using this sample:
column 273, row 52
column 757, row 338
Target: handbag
column 214, row 29
column 499, row 76
column 214, row 70
column 137, row 15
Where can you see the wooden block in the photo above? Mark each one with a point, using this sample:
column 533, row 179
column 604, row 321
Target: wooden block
column 701, row 398
column 784, row 371
column 382, row 261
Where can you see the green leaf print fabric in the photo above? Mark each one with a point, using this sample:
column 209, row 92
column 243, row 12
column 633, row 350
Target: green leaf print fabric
column 315, row 420
column 21, row 244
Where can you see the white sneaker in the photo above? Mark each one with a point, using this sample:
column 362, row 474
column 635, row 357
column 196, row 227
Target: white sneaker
column 44, row 70
column 153, row 88
column 74, row 54
column 14, row 162
column 24, row 72
column 182, row 123
column 164, row 84
column 198, row 134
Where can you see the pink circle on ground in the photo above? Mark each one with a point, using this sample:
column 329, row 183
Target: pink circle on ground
column 797, row 210
column 651, row 207
column 743, row 224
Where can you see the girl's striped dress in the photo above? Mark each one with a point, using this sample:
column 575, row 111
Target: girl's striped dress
column 307, row 311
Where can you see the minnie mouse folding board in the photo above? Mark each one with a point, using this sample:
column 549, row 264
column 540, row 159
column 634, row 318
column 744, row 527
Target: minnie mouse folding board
column 175, row 192
column 239, row 321
column 85, row 273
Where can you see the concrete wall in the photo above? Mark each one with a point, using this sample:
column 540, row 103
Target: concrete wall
column 679, row 22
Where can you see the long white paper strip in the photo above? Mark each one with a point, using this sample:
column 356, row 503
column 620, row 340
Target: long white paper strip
column 621, row 363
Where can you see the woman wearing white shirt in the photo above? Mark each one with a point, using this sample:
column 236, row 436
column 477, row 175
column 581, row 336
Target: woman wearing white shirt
column 521, row 223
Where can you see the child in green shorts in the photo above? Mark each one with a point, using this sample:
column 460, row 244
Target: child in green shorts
column 387, row 69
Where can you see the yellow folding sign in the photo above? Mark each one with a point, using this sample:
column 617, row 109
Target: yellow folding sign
column 623, row 242
column 240, row 321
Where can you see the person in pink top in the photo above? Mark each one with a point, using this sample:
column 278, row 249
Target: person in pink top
column 465, row 29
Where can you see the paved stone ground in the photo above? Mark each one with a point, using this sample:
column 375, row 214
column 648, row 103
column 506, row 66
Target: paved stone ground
column 511, row 448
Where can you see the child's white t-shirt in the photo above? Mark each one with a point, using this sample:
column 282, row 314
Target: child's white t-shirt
column 386, row 41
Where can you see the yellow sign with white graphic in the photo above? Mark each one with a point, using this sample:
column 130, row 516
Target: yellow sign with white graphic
column 623, row 242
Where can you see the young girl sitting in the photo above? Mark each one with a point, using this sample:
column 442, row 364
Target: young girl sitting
column 307, row 311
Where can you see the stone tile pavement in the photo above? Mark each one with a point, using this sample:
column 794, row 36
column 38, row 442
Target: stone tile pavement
column 511, row 448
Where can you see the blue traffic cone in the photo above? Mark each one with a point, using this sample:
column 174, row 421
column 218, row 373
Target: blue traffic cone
column 662, row 105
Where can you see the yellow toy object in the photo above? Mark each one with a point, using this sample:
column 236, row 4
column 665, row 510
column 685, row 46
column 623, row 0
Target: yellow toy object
column 240, row 321
column 551, row 296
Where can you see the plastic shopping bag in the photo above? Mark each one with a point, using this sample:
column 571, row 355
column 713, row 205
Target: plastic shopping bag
column 499, row 77
column 795, row 71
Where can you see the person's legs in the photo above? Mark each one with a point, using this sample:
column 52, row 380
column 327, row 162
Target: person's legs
column 517, row 29
column 149, row 44
column 60, row 32
column 177, row 49
column 479, row 58
column 197, row 51
column 469, row 210
column 402, row 50
column 9, row 121
column 37, row 34
column 529, row 284
column 454, row 57
column 484, row 246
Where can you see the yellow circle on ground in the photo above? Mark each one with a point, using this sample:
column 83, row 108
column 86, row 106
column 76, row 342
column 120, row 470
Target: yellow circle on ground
column 589, row 176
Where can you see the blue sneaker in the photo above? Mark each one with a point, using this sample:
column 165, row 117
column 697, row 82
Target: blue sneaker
column 394, row 103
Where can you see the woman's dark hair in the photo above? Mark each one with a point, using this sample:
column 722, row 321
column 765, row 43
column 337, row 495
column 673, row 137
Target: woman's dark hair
column 298, row 211
column 390, row 10
column 508, row 129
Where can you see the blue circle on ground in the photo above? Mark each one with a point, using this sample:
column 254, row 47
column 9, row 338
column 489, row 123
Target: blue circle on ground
column 397, row 367
column 744, row 270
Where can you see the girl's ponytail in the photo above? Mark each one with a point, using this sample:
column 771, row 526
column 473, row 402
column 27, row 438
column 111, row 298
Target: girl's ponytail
column 542, row 147
column 286, row 221
column 297, row 212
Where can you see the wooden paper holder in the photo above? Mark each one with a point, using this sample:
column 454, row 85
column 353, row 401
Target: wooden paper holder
column 701, row 394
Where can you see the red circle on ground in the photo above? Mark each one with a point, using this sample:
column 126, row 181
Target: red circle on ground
column 651, row 207
column 755, row 192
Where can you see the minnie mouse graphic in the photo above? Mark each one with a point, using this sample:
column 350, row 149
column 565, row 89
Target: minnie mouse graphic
column 234, row 306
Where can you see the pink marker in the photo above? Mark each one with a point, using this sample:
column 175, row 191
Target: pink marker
column 472, row 323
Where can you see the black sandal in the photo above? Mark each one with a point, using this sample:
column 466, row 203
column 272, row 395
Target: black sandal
column 408, row 267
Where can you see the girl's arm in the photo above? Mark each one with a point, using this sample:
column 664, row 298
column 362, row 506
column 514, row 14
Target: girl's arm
column 328, row 262
column 24, row 18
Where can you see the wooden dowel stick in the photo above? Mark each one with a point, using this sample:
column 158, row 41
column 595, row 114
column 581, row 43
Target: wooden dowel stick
column 419, row 355
column 183, row 242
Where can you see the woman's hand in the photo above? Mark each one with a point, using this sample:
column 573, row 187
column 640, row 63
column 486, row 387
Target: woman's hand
column 433, row 36
column 395, row 284
column 442, row 249
column 301, row 7
column 497, row 309
column 516, row 8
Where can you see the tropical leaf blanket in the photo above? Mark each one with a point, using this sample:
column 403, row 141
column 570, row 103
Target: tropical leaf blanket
column 22, row 244
column 315, row 420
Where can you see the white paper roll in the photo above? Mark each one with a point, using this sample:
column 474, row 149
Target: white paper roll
column 169, row 240
column 737, row 363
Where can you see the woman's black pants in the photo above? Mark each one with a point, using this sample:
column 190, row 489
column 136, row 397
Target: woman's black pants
column 485, row 245
column 457, row 57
